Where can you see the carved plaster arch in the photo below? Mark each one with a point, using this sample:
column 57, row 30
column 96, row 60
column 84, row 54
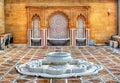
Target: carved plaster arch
column 35, row 16
column 84, row 20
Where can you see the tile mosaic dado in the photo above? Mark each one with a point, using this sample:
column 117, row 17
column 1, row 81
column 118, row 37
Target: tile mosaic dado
column 5, row 81
column 1, row 73
column 111, row 81
column 30, row 77
column 9, row 77
column 74, row 80
column 95, row 80
column 101, row 55
column 21, row 80
column 103, row 72
column 13, row 72
column 44, row 81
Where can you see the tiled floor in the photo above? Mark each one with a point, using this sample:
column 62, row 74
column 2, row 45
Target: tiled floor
column 103, row 55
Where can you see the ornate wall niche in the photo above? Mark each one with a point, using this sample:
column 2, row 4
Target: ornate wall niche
column 35, row 16
column 84, row 20
column 36, row 25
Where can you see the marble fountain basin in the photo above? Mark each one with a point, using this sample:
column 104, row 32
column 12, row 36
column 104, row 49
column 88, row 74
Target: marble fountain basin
column 36, row 39
column 57, row 42
column 58, row 65
column 58, row 58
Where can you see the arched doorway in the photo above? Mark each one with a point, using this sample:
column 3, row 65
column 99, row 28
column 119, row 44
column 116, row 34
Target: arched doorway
column 58, row 31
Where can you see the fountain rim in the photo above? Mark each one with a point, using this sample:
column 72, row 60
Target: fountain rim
column 58, row 38
column 61, row 54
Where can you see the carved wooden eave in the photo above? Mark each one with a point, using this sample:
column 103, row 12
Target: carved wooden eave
column 86, row 6
column 46, row 11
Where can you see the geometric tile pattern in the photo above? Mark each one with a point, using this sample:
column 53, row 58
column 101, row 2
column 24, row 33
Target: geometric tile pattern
column 58, row 27
column 103, row 55
column 80, row 28
column 36, row 28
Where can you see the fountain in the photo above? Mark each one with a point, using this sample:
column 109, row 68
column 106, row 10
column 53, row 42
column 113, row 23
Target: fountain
column 59, row 41
column 36, row 39
column 58, row 65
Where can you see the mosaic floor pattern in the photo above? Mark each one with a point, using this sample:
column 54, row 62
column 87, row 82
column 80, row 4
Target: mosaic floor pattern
column 107, row 57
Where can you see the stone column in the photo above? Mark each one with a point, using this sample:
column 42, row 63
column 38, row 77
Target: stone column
column 119, row 17
column 2, row 26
